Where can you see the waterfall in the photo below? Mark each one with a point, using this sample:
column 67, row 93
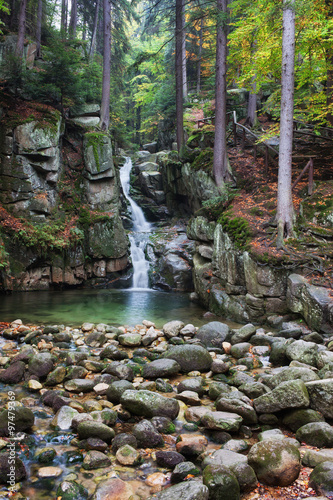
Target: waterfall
column 141, row 230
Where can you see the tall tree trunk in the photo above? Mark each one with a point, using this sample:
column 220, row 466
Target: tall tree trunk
column 73, row 20
column 64, row 16
column 252, row 106
column 184, row 53
column 39, row 29
column 21, row 29
column 94, row 33
column 105, row 104
column 138, row 125
column 179, row 76
column 220, row 161
column 199, row 57
column 285, row 212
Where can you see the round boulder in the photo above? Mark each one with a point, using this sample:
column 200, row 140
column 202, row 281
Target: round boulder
column 190, row 357
column 321, row 479
column 161, row 368
column 221, row 482
column 275, row 462
column 213, row 334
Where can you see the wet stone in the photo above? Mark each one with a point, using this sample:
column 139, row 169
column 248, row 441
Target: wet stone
column 95, row 460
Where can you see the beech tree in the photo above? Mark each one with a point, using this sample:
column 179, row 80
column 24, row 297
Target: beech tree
column 220, row 159
column 285, row 212
column 105, row 104
column 73, row 20
column 64, row 15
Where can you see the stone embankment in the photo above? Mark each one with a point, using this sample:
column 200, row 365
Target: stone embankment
column 139, row 412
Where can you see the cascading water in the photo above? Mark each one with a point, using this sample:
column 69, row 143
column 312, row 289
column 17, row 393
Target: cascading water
column 140, row 235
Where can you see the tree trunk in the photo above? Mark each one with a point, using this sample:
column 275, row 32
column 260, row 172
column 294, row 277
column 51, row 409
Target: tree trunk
column 179, row 76
column 220, row 160
column 21, row 29
column 73, row 20
column 94, row 33
column 138, row 125
column 64, row 16
column 39, row 29
column 252, row 105
column 199, row 57
column 185, row 93
column 105, row 104
column 285, row 212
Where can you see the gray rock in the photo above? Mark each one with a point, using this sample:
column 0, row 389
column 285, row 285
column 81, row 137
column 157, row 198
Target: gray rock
column 130, row 339
column 168, row 459
column 275, row 462
column 116, row 389
column 321, row 479
column 189, row 490
column 190, row 357
column 172, row 328
column 237, row 406
column 149, row 404
column 321, row 396
column 242, row 334
column 90, row 428
column 63, row 418
column 293, row 373
column 292, row 394
column 221, row 482
column 194, row 384
column 146, row 435
column 182, row 470
column 224, row 457
column 6, row 470
column 220, row 420
column 319, row 434
column 312, row 458
column 161, row 368
column 213, row 334
column 78, row 385
column 23, row 419
column 297, row 418
column 68, row 490
column 122, row 439
column 41, row 364
column 95, row 459
column 306, row 352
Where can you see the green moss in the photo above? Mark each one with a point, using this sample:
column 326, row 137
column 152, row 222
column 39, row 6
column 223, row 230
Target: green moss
column 256, row 211
column 238, row 229
column 204, row 161
column 96, row 141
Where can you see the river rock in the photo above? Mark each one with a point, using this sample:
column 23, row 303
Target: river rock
column 305, row 352
column 63, row 418
column 122, row 440
column 126, row 455
column 172, row 328
column 113, row 489
column 89, row 428
column 182, row 470
column 119, row 370
column 95, row 459
column 221, row 482
column 321, row 396
column 191, row 444
column 69, row 490
column 319, row 434
column 291, row 394
column 41, row 364
column 242, row 334
column 291, row 373
column 168, row 459
column 161, row 368
column 238, row 406
column 6, row 470
column 275, row 462
column 13, row 374
column 146, row 435
column 297, row 418
column 194, row 384
column 50, row 472
column 164, row 425
column 321, row 479
column 130, row 339
column 221, row 420
column 56, row 376
column 116, row 389
column 190, row 357
column 213, row 334
column 189, row 490
column 312, row 458
column 78, row 385
column 224, row 457
column 149, row 404
column 22, row 419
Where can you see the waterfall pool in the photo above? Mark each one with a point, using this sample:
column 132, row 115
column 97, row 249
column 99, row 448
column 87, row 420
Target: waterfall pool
column 110, row 306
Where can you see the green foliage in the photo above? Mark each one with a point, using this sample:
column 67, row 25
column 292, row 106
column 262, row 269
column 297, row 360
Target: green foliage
column 4, row 256
column 87, row 218
column 65, row 77
column 49, row 236
column 238, row 229
column 213, row 208
column 204, row 161
column 96, row 141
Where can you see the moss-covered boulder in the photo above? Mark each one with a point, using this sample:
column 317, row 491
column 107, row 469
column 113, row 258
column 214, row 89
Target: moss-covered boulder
column 21, row 418
column 275, row 462
column 71, row 490
column 90, row 428
column 221, row 482
column 8, row 475
column 190, row 357
column 291, row 394
column 149, row 404
column 321, row 479
column 319, row 434
column 188, row 490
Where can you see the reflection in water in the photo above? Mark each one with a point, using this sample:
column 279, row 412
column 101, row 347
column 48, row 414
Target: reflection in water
column 114, row 307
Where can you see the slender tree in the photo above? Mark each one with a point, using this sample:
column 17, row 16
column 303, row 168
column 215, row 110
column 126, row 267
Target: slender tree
column 105, row 104
column 185, row 90
column 199, row 56
column 285, row 212
column 39, row 28
column 220, row 159
column 179, row 75
column 94, row 33
column 21, row 29
column 73, row 20
column 64, row 16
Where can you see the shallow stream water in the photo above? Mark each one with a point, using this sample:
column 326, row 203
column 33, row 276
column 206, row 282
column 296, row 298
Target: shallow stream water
column 113, row 307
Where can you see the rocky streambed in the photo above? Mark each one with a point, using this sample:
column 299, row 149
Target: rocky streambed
column 177, row 413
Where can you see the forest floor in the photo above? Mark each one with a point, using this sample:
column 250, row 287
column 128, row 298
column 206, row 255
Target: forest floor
column 312, row 246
